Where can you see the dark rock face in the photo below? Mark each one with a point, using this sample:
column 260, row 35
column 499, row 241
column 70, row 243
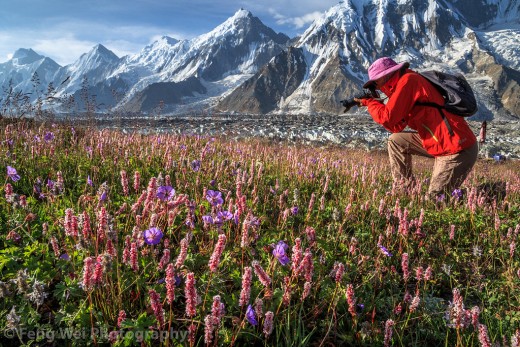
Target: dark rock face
column 159, row 95
column 243, row 66
column 506, row 81
column 276, row 80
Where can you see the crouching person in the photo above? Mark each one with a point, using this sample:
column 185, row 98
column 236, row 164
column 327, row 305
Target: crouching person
column 448, row 139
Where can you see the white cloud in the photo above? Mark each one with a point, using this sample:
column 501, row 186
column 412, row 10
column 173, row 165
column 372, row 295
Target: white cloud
column 296, row 22
column 66, row 41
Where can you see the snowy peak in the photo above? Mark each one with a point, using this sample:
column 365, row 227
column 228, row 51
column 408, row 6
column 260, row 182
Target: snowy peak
column 338, row 47
column 24, row 56
column 255, row 70
column 97, row 56
column 166, row 40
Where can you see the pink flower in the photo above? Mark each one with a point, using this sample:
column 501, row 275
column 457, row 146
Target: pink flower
column 126, row 250
column 191, row 295
column 87, row 273
column 86, row 230
column 164, row 259
column 9, row 192
column 170, row 283
column 217, row 309
column 475, row 312
column 155, row 301
column 245, row 232
column 483, row 336
column 339, row 271
column 404, row 266
column 286, row 290
column 124, row 182
column 71, row 223
column 307, row 266
column 388, row 332
column 419, row 273
column 415, row 302
column 133, row 257
column 245, row 293
column 268, row 323
column 297, row 255
column 183, row 253
column 262, row 275
column 217, row 252
column 351, row 299
column 209, row 327
column 428, row 273
column 120, row 318
column 55, row 247
column 97, row 277
column 306, row 290
column 192, row 330
column 259, row 307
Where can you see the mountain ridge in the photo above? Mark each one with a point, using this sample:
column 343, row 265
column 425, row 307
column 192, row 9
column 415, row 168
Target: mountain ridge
column 243, row 66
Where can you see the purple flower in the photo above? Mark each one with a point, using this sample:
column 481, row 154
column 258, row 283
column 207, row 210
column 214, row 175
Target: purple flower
column 50, row 183
column 48, row 137
column 152, row 236
column 165, row 193
column 89, row 181
column 214, row 197
column 213, row 183
column 251, row 316
column 457, row 194
column 223, row 216
column 440, row 198
column 254, row 221
column 11, row 172
column 37, row 190
column 499, row 157
column 385, row 251
column 207, row 219
column 195, row 165
column 279, row 253
column 103, row 196
column 65, row 256
column 294, row 210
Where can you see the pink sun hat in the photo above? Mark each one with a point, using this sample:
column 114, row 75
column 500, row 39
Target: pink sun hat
column 382, row 67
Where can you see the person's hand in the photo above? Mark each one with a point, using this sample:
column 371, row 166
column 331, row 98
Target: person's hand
column 358, row 102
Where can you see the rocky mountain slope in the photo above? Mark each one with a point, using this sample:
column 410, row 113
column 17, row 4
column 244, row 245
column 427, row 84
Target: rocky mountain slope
column 338, row 48
column 244, row 67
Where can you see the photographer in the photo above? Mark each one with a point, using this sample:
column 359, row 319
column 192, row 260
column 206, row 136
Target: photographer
column 448, row 139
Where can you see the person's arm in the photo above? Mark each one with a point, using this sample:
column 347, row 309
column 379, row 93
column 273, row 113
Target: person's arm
column 394, row 113
column 381, row 115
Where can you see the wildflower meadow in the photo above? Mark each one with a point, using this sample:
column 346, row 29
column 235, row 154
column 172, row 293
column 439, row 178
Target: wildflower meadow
column 113, row 238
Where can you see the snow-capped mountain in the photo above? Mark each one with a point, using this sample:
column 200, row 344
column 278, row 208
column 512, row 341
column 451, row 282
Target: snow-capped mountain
column 27, row 71
column 242, row 66
column 201, row 68
column 338, row 48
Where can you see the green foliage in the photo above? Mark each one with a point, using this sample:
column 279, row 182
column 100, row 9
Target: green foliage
column 339, row 204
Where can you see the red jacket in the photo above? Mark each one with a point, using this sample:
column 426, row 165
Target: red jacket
column 403, row 92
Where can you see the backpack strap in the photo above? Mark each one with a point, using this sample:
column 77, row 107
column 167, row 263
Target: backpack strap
column 438, row 107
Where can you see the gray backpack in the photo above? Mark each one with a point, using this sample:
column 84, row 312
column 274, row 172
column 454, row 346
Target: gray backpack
column 458, row 95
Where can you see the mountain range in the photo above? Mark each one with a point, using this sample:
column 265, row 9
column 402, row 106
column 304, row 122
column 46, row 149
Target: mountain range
column 244, row 67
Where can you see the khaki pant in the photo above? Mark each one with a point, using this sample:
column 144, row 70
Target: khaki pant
column 449, row 171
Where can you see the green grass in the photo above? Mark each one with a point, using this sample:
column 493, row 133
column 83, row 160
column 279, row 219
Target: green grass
column 355, row 211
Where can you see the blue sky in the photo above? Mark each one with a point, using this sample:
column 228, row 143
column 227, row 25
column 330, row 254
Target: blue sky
column 65, row 29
